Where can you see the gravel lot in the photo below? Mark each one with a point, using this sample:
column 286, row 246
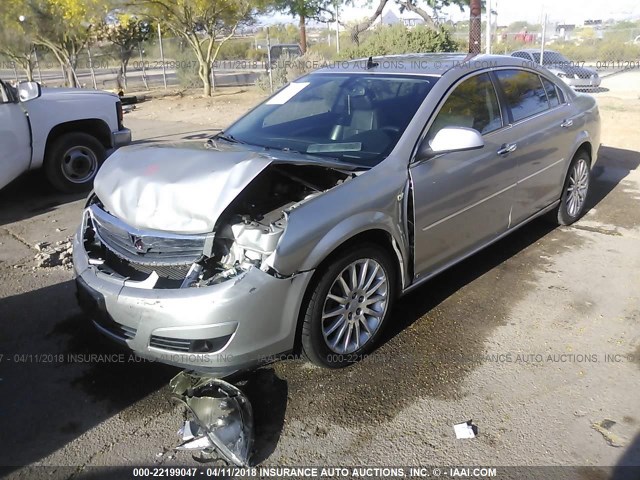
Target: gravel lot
column 537, row 339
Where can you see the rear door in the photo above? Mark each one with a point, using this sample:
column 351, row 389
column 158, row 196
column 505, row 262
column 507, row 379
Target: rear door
column 15, row 137
column 462, row 200
column 543, row 129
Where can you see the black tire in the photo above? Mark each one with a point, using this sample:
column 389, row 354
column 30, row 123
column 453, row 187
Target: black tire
column 315, row 345
column 564, row 213
column 72, row 161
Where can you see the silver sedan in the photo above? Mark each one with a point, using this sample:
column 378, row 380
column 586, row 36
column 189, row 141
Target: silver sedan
column 295, row 229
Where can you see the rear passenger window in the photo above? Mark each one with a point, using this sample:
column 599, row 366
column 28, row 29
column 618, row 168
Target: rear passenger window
column 524, row 92
column 552, row 92
column 473, row 104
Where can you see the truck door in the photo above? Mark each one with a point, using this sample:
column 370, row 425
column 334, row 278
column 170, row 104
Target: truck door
column 15, row 136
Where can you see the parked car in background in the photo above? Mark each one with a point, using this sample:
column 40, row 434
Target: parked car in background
column 297, row 227
column 572, row 73
column 289, row 50
column 65, row 131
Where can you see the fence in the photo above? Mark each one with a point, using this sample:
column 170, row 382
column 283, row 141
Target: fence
column 606, row 48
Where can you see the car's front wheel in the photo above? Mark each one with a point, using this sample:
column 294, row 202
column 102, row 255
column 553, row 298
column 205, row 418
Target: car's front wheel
column 574, row 194
column 348, row 307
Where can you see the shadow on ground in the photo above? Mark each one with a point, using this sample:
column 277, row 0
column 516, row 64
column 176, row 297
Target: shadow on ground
column 53, row 390
column 31, row 195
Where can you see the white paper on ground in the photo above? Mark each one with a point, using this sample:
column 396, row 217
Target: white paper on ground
column 464, row 430
column 287, row 93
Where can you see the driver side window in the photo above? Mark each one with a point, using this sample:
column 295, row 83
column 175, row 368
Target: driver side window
column 473, row 104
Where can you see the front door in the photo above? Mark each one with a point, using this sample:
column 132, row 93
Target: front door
column 462, row 200
column 15, row 137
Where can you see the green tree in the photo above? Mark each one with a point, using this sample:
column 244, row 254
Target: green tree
column 16, row 46
column 318, row 10
column 62, row 26
column 125, row 32
column 205, row 25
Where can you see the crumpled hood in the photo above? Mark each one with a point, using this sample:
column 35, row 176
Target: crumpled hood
column 179, row 190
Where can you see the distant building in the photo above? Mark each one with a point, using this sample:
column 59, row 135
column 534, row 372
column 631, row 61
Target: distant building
column 407, row 18
column 564, row 31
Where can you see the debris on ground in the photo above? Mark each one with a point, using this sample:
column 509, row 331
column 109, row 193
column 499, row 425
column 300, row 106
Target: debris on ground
column 222, row 424
column 54, row 255
column 604, row 428
column 465, row 430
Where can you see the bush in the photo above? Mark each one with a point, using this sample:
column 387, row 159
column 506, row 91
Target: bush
column 187, row 74
column 324, row 50
column 235, row 49
column 397, row 39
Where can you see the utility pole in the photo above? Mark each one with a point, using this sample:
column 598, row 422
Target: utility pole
column 164, row 70
column 488, row 41
column 544, row 34
column 337, row 28
column 475, row 26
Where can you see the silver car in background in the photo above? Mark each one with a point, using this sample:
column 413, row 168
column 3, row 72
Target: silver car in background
column 296, row 228
column 572, row 73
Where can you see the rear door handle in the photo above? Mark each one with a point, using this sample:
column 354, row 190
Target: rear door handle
column 567, row 124
column 507, row 148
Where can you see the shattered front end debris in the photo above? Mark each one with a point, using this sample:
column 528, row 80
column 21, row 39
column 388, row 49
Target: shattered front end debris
column 178, row 259
column 222, row 425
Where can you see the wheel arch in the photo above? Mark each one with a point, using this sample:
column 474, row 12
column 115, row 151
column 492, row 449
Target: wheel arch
column 93, row 126
column 376, row 236
column 584, row 146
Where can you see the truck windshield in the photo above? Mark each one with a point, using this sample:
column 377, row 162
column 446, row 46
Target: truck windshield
column 357, row 118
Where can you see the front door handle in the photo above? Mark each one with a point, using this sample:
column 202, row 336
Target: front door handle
column 567, row 124
column 507, row 148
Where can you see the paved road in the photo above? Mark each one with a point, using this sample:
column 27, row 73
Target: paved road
column 544, row 291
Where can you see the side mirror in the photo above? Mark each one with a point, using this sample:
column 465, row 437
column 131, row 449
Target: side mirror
column 448, row 140
column 28, row 91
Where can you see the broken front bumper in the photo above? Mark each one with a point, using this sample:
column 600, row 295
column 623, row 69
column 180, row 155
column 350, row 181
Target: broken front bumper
column 220, row 329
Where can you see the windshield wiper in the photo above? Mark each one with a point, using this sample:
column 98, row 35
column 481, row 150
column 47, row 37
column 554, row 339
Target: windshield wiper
column 226, row 138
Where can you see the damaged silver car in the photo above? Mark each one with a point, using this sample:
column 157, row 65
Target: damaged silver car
column 297, row 227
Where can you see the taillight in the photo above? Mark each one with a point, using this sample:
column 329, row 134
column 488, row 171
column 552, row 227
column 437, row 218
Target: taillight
column 119, row 114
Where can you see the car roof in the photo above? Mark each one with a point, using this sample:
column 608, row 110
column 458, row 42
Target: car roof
column 432, row 64
column 534, row 50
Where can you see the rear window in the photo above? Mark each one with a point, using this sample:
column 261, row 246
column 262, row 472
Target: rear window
column 524, row 92
column 552, row 92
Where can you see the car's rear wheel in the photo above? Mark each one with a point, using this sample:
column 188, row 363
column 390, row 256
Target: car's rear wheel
column 72, row 161
column 576, row 188
column 348, row 307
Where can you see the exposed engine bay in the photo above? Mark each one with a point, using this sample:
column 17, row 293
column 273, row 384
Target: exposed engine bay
column 246, row 234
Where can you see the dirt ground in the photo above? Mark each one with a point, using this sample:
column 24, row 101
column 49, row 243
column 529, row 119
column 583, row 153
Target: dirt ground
column 537, row 339
column 226, row 105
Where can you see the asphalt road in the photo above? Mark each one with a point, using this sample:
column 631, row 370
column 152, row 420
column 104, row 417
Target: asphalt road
column 544, row 309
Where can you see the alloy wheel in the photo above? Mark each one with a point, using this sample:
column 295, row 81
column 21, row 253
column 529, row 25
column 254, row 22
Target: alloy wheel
column 355, row 306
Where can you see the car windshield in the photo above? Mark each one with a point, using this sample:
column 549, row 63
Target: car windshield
column 356, row 118
column 550, row 58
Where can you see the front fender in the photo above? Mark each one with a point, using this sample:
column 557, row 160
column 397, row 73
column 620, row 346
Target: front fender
column 347, row 229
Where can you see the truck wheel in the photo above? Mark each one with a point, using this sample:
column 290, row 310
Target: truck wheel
column 72, row 161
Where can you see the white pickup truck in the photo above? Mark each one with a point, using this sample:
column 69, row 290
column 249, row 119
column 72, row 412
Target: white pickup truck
column 67, row 132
